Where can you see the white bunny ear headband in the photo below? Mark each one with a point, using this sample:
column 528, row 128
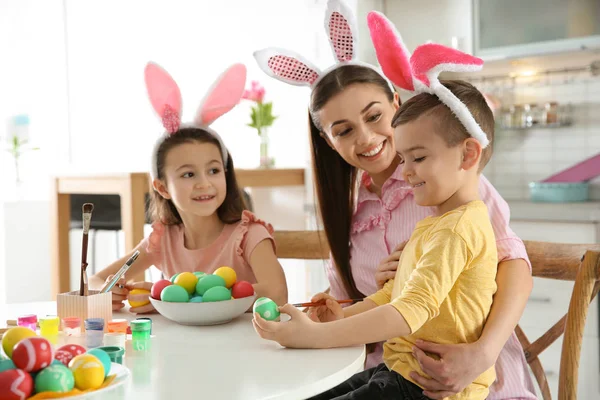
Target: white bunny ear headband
column 292, row 68
column 419, row 72
column 165, row 97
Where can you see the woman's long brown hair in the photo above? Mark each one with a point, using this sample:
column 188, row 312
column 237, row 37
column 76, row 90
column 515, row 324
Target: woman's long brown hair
column 334, row 178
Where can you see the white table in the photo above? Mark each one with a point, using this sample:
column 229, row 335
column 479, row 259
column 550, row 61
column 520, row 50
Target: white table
column 227, row 361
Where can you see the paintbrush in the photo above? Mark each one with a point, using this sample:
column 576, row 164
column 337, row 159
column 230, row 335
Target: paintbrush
column 87, row 209
column 121, row 272
column 322, row 302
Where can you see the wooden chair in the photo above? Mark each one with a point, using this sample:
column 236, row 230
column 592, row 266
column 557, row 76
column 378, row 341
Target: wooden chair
column 570, row 262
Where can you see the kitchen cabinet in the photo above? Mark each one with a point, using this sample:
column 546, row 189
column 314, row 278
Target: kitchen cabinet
column 536, row 27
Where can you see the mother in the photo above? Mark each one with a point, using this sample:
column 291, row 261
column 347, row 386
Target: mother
column 368, row 211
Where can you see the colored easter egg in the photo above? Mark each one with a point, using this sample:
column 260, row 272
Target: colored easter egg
column 104, row 359
column 74, row 349
column 208, row 282
column 15, row 384
column 158, row 287
column 63, row 357
column 88, row 371
column 187, row 280
column 174, row 277
column 175, row 294
column 242, row 289
column 196, row 299
column 32, row 354
column 13, row 336
column 216, row 293
column 228, row 274
column 5, row 365
column 55, row 378
column 139, row 303
column 267, row 308
column 199, row 274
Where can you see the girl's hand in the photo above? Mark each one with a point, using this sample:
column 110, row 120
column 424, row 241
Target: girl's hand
column 148, row 308
column 119, row 293
column 330, row 311
column 386, row 270
column 458, row 366
column 300, row 332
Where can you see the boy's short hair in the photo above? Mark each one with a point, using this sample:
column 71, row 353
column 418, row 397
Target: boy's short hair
column 450, row 128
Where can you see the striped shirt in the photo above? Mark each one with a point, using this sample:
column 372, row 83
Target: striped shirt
column 380, row 224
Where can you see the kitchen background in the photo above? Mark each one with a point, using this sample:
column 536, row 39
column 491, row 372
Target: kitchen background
column 73, row 69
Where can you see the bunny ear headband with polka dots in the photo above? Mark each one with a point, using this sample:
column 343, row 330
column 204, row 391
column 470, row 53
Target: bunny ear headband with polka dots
column 292, row 68
column 418, row 73
column 165, row 98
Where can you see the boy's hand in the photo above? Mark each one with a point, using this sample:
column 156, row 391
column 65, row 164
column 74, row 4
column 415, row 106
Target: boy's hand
column 330, row 311
column 143, row 297
column 119, row 293
column 386, row 270
column 300, row 332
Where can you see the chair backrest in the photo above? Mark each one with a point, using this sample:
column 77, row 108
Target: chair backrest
column 569, row 262
column 301, row 245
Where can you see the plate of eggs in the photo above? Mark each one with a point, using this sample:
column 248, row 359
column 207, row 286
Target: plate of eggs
column 33, row 369
column 202, row 299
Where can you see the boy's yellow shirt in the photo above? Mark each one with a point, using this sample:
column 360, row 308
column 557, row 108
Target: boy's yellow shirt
column 444, row 288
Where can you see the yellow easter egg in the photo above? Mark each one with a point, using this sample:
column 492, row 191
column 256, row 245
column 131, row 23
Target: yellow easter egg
column 139, row 303
column 187, row 280
column 228, row 274
column 88, row 371
column 13, row 336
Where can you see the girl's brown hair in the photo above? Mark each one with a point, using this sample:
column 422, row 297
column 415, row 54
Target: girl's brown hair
column 335, row 179
column 164, row 210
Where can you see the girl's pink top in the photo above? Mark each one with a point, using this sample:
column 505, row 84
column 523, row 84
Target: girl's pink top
column 380, row 224
column 232, row 248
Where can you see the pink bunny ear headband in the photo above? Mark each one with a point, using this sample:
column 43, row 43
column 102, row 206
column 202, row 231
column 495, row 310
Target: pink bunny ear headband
column 419, row 72
column 165, row 97
column 292, row 68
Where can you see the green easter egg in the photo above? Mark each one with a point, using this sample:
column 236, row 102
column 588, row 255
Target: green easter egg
column 199, row 274
column 267, row 308
column 217, row 293
column 173, row 277
column 196, row 299
column 103, row 357
column 5, row 365
column 54, row 378
column 174, row 294
column 208, row 282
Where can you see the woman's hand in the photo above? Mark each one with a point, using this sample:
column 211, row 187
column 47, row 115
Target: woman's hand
column 386, row 270
column 119, row 293
column 459, row 365
column 330, row 311
column 142, row 297
column 299, row 332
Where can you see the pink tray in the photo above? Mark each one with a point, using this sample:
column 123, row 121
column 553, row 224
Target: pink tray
column 581, row 172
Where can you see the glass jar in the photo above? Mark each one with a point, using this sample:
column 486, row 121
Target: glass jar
column 140, row 334
column 527, row 118
column 551, row 112
column 517, row 116
column 94, row 332
column 72, row 326
column 117, row 325
column 28, row 321
column 49, row 325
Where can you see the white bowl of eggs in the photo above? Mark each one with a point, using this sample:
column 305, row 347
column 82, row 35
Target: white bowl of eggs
column 202, row 299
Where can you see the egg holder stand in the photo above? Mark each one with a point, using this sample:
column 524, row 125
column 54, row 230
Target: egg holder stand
column 94, row 305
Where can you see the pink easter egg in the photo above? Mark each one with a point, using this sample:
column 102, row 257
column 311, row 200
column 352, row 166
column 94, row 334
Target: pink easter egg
column 15, row 384
column 64, row 357
column 32, row 354
column 74, row 349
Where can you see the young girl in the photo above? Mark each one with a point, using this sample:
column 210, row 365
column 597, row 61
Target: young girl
column 200, row 219
column 364, row 201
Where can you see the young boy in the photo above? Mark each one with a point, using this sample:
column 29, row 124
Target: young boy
column 445, row 280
